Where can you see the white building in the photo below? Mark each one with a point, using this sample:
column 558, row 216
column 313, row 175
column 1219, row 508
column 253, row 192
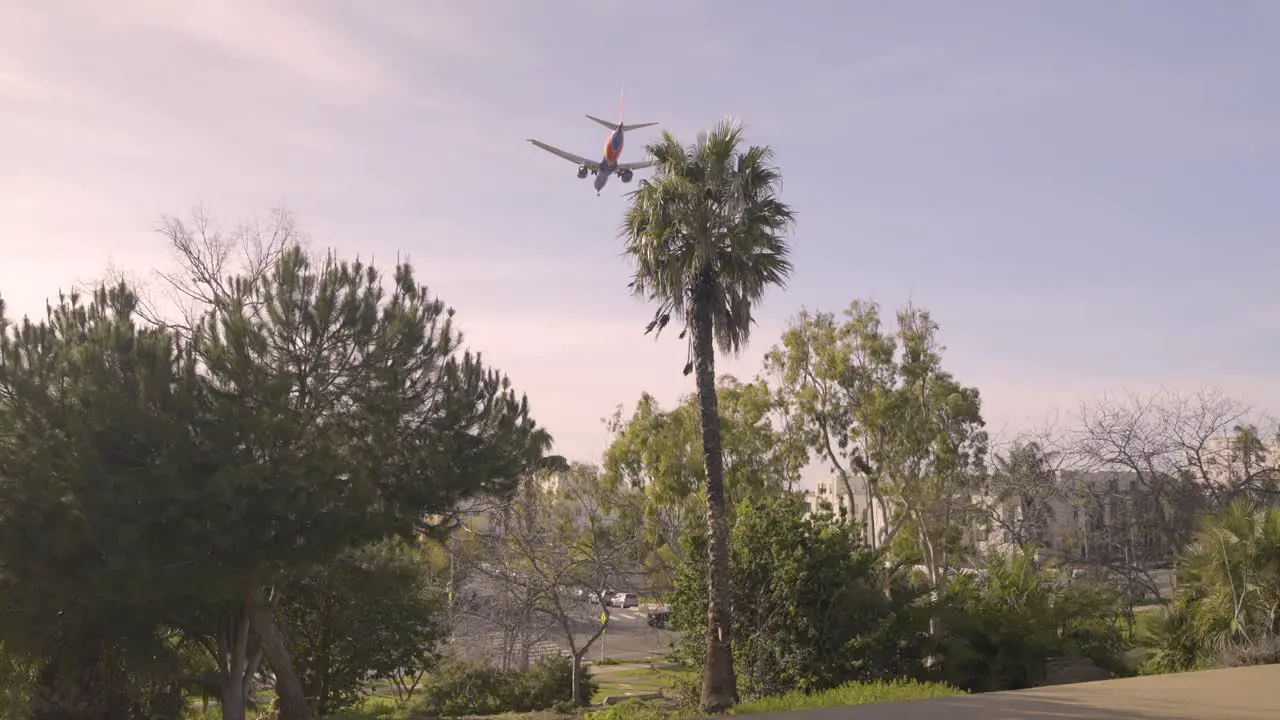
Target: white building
column 833, row 495
column 1099, row 515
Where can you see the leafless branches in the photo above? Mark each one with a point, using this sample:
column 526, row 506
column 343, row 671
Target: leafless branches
column 208, row 259
column 1023, row 488
column 1124, row 488
column 550, row 557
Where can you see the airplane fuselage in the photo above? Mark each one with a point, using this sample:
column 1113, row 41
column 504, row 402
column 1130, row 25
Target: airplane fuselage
column 612, row 151
column 609, row 163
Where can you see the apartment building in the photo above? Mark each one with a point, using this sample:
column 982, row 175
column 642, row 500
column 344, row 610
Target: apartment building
column 833, row 495
column 1095, row 516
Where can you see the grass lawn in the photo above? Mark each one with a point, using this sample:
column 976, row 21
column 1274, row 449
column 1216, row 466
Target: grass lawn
column 376, row 706
column 615, row 680
column 621, row 680
column 1142, row 620
column 851, row 694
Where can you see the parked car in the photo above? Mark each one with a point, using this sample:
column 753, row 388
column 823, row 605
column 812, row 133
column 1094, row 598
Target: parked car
column 624, row 600
column 658, row 619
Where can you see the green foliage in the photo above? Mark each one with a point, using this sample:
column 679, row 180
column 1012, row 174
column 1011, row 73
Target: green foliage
column 1000, row 627
column 98, row 418
column 1224, row 611
column 458, row 688
column 358, row 396
column 877, row 403
column 708, row 228
column 1173, row 645
column 660, row 452
column 630, row 710
column 371, row 612
column 95, row 422
column 814, row 608
column 171, row 475
column 848, row 695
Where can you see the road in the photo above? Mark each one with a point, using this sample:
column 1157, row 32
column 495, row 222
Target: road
column 629, row 637
column 1249, row 693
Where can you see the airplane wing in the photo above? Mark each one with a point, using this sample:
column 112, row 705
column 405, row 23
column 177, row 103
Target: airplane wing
column 637, row 165
column 591, row 164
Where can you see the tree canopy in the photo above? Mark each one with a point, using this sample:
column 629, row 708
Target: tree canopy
column 177, row 472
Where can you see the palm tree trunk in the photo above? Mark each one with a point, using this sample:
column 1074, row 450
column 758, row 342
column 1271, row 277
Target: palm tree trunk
column 719, row 684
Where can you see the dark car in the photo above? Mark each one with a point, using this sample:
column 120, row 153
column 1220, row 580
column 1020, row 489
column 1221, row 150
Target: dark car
column 658, row 619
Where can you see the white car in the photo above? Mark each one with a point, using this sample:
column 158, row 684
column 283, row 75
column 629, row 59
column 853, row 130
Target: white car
column 624, row 600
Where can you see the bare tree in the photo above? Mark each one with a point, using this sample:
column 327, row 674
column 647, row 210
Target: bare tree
column 207, row 258
column 494, row 618
column 1151, row 464
column 1023, row 491
column 564, row 547
column 1132, row 434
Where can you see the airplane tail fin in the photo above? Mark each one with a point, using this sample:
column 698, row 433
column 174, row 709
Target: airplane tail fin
column 621, row 97
column 617, row 125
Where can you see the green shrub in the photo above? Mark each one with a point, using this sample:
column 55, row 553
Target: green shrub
column 1223, row 612
column 1172, row 643
column 850, row 694
column 459, row 688
column 998, row 631
column 813, row 606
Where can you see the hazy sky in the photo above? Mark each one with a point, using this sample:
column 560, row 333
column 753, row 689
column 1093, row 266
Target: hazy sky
column 1083, row 193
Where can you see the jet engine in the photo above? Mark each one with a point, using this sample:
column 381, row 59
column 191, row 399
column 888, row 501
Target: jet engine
column 582, row 171
column 624, row 175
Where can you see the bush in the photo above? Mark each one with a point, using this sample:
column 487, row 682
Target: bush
column 813, row 607
column 373, row 611
column 998, row 631
column 850, row 694
column 1223, row 611
column 1265, row 652
column 459, row 688
column 1172, row 643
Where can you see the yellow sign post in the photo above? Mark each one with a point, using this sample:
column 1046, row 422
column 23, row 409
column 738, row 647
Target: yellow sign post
column 604, row 620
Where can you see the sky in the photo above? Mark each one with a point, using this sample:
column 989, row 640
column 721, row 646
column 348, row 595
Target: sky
column 1080, row 193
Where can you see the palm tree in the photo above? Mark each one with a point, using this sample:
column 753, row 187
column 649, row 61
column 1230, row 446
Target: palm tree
column 706, row 235
column 1232, row 570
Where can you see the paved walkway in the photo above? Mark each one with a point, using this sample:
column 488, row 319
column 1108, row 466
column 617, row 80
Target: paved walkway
column 1251, row 693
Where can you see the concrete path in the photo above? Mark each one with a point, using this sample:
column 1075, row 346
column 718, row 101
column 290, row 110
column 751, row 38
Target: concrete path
column 1251, row 693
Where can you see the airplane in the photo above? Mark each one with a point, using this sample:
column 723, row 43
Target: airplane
column 608, row 165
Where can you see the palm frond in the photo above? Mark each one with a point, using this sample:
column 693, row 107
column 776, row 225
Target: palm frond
column 710, row 211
